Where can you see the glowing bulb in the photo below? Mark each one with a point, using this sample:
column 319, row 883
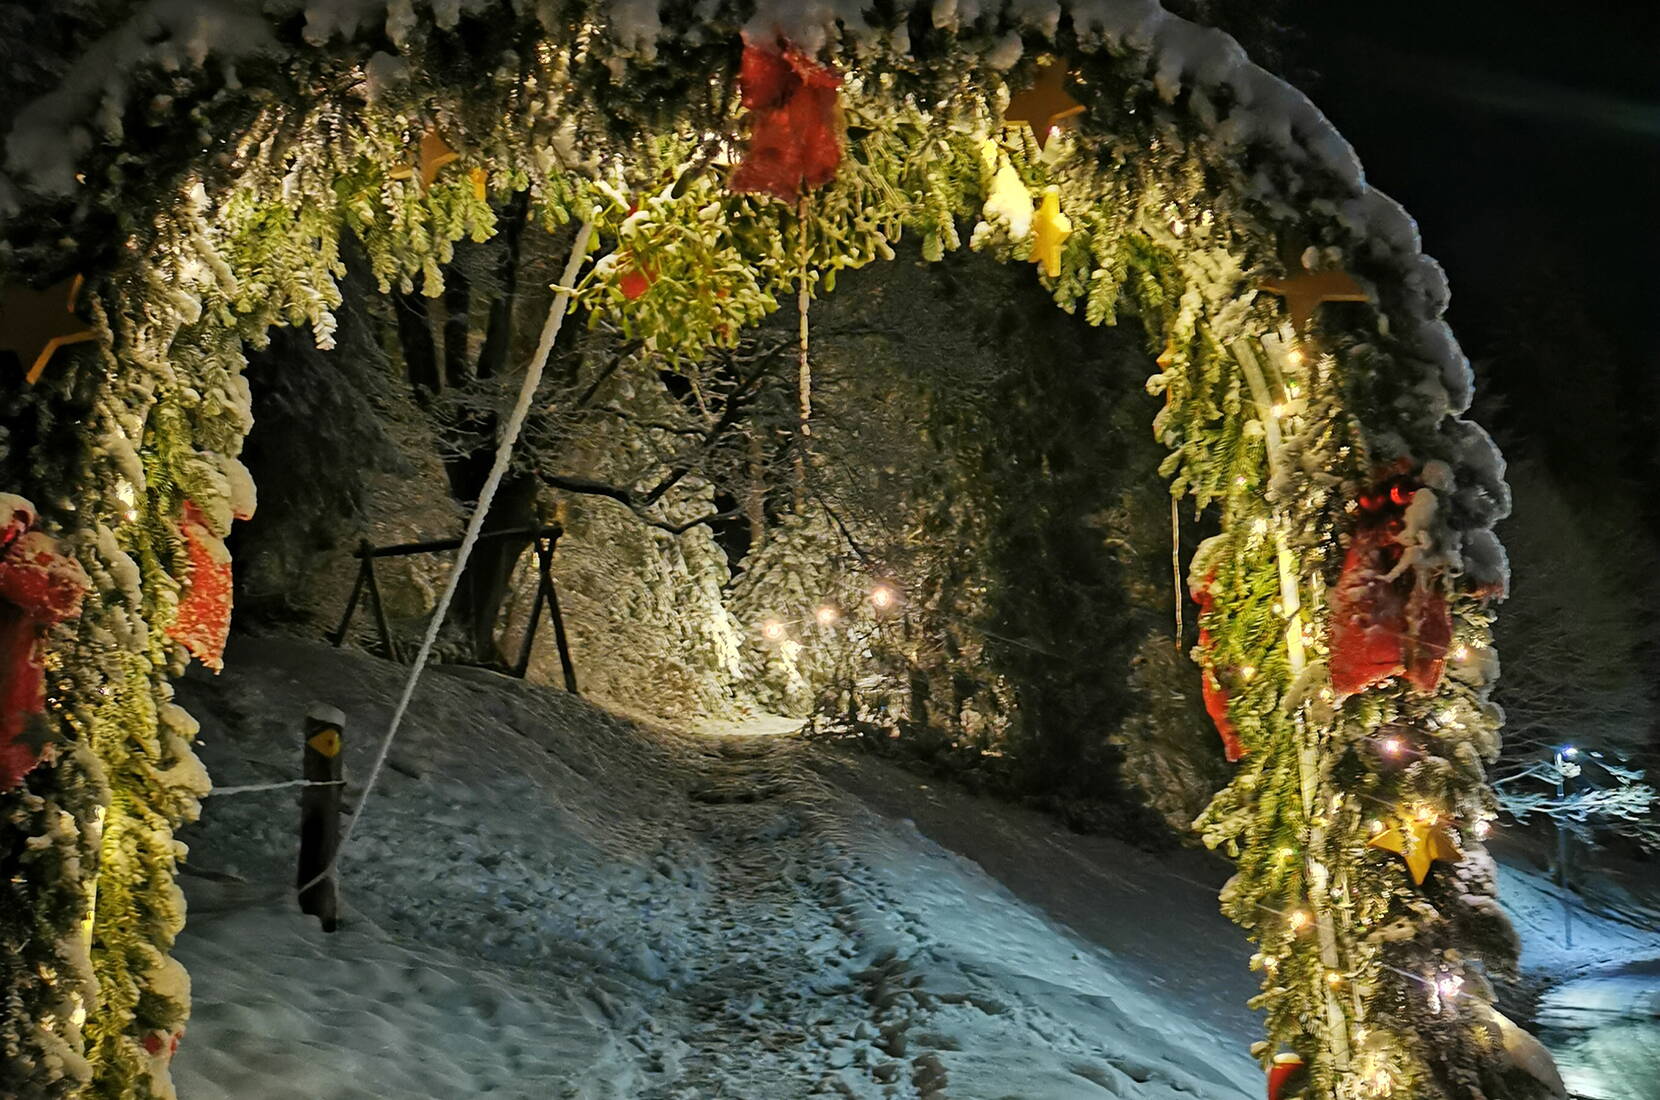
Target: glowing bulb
column 1300, row 920
column 1392, row 746
column 772, row 629
column 1295, row 357
column 826, row 615
column 1461, row 653
column 1428, row 815
column 1333, row 978
column 1570, row 752
column 1240, row 481
column 1247, row 671
column 882, row 596
column 1448, row 986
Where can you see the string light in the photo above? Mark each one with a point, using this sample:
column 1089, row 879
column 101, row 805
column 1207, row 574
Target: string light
column 772, row 629
column 1299, row 920
column 826, row 615
column 1247, row 671
column 1461, row 653
column 1392, row 746
column 1295, row 357
column 882, row 596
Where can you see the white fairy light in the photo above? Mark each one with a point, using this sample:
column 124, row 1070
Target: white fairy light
column 882, row 596
column 826, row 615
column 772, row 629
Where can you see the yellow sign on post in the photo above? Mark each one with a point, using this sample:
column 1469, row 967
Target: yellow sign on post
column 326, row 741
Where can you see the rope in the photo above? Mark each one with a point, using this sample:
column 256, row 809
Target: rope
column 253, row 787
column 475, row 524
column 1176, row 564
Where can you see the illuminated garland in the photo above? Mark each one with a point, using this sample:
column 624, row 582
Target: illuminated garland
column 1143, row 209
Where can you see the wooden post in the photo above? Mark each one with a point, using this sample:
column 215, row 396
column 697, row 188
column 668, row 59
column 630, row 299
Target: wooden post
column 529, row 643
column 564, row 643
column 351, row 604
column 380, row 608
column 323, row 764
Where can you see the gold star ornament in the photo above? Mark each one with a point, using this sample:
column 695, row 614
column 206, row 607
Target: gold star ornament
column 1050, row 228
column 433, row 155
column 34, row 326
column 1419, row 840
column 1306, row 292
column 1046, row 105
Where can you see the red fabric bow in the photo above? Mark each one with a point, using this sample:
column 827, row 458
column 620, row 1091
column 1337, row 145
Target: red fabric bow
column 39, row 587
column 1384, row 626
column 794, row 122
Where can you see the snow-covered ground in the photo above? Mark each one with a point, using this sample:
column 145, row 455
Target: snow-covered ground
column 544, row 900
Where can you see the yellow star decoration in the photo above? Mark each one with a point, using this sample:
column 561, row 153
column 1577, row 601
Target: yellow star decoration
column 1046, row 104
column 34, row 326
column 1419, row 840
column 1306, row 292
column 434, row 154
column 1050, row 228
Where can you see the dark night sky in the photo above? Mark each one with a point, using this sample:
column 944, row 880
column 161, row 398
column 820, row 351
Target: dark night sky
column 1524, row 137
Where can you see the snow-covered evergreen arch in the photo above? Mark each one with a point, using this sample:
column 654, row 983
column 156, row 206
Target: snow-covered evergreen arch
column 201, row 162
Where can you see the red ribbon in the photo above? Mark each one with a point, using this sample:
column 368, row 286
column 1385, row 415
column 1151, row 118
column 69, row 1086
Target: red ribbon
column 1215, row 695
column 204, row 618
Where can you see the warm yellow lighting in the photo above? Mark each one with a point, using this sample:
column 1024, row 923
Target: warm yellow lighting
column 1295, row 357
column 826, row 615
column 1300, row 920
column 1247, row 671
column 1392, row 746
column 1333, row 978
column 1461, row 653
column 882, row 596
column 772, row 629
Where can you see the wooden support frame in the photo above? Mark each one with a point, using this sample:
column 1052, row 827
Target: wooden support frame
column 545, row 540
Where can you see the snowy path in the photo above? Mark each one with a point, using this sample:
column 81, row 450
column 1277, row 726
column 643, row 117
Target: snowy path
column 547, row 901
